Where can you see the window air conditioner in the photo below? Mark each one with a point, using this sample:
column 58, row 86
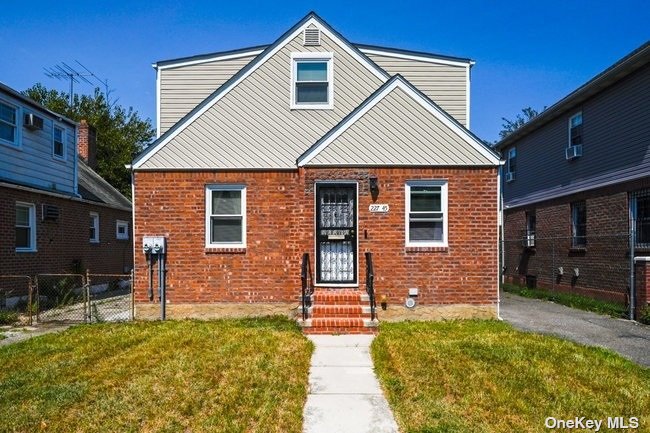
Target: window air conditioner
column 33, row 122
column 510, row 176
column 573, row 152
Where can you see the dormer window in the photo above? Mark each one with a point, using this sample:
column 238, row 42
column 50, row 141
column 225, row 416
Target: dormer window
column 312, row 82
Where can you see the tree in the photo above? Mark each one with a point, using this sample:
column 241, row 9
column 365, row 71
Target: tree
column 121, row 133
column 511, row 126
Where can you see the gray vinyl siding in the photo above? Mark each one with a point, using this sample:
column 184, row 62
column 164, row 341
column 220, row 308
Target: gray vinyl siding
column 399, row 131
column 183, row 88
column 616, row 145
column 32, row 163
column 252, row 126
column 446, row 85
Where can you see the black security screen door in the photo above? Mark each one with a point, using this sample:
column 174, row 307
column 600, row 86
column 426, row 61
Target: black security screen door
column 336, row 233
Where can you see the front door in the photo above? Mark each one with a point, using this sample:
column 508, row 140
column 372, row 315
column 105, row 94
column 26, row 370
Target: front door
column 336, row 233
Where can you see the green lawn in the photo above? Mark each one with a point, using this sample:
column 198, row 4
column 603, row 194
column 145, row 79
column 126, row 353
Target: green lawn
column 485, row 376
column 175, row 376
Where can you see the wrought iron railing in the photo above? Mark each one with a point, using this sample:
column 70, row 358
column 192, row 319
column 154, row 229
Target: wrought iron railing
column 307, row 286
column 370, row 285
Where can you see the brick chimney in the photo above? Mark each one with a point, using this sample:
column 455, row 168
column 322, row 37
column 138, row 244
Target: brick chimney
column 87, row 143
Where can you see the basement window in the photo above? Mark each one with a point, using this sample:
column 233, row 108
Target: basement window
column 225, row 217
column 312, row 81
column 426, row 213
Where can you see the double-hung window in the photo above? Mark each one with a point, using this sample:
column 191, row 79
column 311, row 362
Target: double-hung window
column 578, row 224
column 511, row 164
column 94, row 227
column 25, row 227
column 575, row 130
column 9, row 130
column 640, row 213
column 531, row 227
column 426, row 213
column 312, row 82
column 121, row 229
column 225, row 217
column 58, row 142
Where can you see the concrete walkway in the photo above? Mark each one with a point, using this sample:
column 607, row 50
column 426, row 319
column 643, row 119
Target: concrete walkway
column 630, row 339
column 344, row 394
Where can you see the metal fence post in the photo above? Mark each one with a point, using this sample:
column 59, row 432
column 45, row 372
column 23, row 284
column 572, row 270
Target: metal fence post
column 38, row 298
column 87, row 308
column 632, row 236
column 30, row 300
column 132, row 294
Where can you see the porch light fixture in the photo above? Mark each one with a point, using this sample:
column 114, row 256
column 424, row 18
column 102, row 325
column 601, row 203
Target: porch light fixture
column 373, row 182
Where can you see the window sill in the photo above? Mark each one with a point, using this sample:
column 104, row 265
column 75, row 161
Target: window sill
column 94, row 242
column 578, row 249
column 312, row 107
column 218, row 250
column 26, row 251
column 425, row 249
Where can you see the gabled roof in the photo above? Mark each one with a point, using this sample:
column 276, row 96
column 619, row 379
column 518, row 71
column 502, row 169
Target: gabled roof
column 310, row 19
column 427, row 145
column 30, row 102
column 624, row 67
column 93, row 187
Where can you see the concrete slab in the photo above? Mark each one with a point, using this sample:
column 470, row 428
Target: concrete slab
column 341, row 340
column 343, row 380
column 348, row 414
column 341, row 356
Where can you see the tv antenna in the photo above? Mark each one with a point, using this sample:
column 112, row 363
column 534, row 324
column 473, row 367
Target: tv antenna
column 63, row 71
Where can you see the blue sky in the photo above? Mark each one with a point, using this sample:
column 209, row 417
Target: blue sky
column 526, row 53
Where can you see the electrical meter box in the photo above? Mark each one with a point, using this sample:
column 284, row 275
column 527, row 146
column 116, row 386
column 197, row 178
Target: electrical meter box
column 154, row 244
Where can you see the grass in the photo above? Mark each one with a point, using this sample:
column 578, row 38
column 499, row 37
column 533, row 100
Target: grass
column 485, row 376
column 572, row 300
column 246, row 375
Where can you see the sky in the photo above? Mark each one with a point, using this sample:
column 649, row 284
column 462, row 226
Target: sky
column 527, row 53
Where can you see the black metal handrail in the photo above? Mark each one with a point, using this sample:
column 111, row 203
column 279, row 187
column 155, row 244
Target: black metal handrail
column 307, row 289
column 370, row 285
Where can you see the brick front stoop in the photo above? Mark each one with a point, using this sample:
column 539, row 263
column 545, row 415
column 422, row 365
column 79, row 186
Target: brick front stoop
column 339, row 311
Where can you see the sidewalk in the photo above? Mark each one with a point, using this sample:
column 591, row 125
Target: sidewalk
column 344, row 394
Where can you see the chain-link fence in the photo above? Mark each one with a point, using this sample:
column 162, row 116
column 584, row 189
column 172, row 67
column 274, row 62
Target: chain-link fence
column 593, row 265
column 66, row 298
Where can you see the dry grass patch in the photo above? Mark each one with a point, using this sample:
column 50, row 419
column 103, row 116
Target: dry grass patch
column 485, row 376
column 176, row 376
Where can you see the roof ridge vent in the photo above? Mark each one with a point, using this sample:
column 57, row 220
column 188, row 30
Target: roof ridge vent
column 311, row 37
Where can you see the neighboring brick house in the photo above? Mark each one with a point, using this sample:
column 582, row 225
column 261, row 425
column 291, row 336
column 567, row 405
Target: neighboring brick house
column 316, row 145
column 576, row 180
column 57, row 215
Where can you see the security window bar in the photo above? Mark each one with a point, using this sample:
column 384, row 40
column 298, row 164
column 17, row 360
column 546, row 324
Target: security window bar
column 578, row 224
column 94, row 228
column 640, row 202
column 226, row 216
column 8, row 124
column 426, row 214
column 312, row 82
column 25, row 227
column 575, row 130
column 58, row 147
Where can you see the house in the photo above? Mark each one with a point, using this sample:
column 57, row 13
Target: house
column 57, row 215
column 576, row 184
column 314, row 145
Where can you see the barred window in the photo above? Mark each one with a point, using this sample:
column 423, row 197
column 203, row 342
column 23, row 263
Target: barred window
column 640, row 212
column 578, row 224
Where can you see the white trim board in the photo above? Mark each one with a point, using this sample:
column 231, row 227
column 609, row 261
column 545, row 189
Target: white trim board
column 371, row 66
column 398, row 82
column 217, row 57
column 379, row 52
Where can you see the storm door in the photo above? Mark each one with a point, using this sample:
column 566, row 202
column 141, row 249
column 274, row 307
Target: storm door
column 336, row 233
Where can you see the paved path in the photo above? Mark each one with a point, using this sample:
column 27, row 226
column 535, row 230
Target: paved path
column 344, row 394
column 630, row 339
column 20, row 333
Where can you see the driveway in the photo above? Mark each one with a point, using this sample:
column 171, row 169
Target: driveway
column 629, row 339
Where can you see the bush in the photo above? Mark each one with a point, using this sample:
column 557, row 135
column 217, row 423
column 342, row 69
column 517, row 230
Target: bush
column 644, row 316
column 8, row 317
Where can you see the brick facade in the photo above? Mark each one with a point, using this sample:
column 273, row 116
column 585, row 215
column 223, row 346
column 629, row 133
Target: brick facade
column 280, row 228
column 63, row 242
column 603, row 264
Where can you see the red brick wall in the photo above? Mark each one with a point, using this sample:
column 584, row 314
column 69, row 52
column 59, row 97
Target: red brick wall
column 603, row 265
column 61, row 242
column 280, row 228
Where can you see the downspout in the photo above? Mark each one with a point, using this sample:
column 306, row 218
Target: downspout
column 500, row 245
column 632, row 236
column 75, row 163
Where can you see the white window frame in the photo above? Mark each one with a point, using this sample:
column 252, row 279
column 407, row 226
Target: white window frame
column 578, row 114
column 63, row 157
column 95, row 217
column 512, row 154
column 634, row 196
column 125, row 225
column 17, row 144
column 32, row 226
column 313, row 57
column 209, row 215
column 443, row 184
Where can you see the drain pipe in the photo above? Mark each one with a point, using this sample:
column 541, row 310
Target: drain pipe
column 150, row 262
column 163, row 286
column 632, row 264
